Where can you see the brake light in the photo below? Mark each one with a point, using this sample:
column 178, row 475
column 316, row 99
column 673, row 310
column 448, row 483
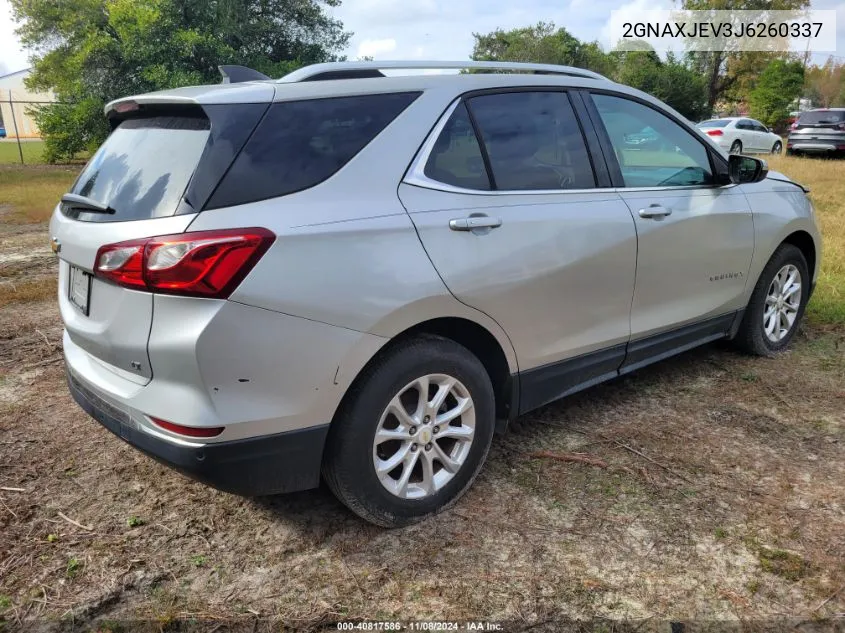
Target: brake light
column 714, row 133
column 203, row 263
column 188, row 431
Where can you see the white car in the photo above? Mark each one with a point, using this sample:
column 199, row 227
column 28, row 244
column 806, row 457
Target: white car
column 742, row 136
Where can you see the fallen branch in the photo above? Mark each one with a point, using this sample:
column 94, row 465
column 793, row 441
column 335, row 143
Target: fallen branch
column 829, row 598
column 9, row 489
column 569, row 457
column 656, row 463
column 76, row 523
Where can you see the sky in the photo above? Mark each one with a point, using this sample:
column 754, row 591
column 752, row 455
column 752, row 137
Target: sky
column 442, row 29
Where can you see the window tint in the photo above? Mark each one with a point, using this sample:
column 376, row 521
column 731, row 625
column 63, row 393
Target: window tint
column 714, row 123
column 533, row 141
column 299, row 144
column 652, row 150
column 456, row 157
column 822, row 116
column 143, row 167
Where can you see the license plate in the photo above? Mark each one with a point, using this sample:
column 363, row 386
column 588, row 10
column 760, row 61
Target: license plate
column 79, row 289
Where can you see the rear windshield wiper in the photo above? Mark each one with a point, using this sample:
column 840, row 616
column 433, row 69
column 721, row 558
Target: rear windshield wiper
column 84, row 203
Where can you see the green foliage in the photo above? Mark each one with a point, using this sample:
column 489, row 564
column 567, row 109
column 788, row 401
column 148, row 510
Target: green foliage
column 89, row 52
column 825, row 85
column 134, row 521
column 777, row 87
column 540, row 44
column 670, row 81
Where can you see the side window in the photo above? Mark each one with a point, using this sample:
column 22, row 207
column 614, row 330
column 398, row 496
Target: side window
column 299, row 144
column 533, row 141
column 456, row 157
column 652, row 150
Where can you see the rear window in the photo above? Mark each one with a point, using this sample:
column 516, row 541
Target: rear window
column 143, row 168
column 714, row 123
column 822, row 116
column 299, row 144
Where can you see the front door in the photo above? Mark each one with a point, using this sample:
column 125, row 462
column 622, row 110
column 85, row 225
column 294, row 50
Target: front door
column 695, row 237
column 513, row 221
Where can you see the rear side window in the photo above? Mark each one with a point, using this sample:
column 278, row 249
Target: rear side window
column 299, row 144
column 714, row 123
column 143, row 168
column 533, row 141
column 456, row 157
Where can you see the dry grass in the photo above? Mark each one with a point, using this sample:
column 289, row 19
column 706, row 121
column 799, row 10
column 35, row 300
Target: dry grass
column 826, row 180
column 708, row 488
column 32, row 192
column 27, row 291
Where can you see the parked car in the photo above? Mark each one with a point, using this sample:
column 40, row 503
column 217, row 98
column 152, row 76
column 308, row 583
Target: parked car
column 740, row 135
column 2, row 132
column 366, row 276
column 819, row 131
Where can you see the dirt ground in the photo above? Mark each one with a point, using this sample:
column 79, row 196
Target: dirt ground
column 714, row 494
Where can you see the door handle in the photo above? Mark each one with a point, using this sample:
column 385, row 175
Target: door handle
column 655, row 211
column 475, row 222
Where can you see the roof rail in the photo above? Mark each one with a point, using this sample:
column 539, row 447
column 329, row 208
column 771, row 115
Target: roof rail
column 357, row 70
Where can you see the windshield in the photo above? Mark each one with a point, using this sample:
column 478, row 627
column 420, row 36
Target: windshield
column 822, row 116
column 714, row 123
column 143, row 168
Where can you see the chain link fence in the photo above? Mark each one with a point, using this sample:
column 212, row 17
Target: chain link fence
column 19, row 125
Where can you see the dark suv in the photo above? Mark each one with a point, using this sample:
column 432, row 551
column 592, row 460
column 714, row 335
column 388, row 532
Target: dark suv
column 819, row 131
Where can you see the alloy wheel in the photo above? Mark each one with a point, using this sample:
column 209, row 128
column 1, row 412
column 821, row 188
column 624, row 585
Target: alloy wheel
column 424, row 436
column 783, row 301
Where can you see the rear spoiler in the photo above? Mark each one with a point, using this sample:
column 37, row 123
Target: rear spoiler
column 233, row 74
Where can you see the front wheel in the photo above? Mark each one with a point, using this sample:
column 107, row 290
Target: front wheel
column 414, row 432
column 778, row 146
column 777, row 303
column 736, row 147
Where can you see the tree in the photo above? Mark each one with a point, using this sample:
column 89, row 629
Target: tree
column 825, row 85
column 724, row 69
column 92, row 51
column 670, row 81
column 778, row 86
column 541, row 44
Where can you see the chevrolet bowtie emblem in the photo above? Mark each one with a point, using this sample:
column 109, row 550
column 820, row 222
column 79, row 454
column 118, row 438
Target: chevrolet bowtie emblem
column 56, row 245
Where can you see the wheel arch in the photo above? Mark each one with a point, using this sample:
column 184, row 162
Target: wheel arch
column 479, row 340
column 805, row 243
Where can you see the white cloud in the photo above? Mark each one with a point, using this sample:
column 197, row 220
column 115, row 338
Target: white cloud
column 12, row 56
column 375, row 48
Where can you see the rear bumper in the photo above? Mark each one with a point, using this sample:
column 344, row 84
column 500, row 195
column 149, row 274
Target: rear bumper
column 263, row 465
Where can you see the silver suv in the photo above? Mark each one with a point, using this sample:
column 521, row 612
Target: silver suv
column 365, row 276
column 819, row 131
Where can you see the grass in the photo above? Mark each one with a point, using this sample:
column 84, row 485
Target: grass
column 32, row 192
column 33, row 153
column 827, row 191
column 27, row 291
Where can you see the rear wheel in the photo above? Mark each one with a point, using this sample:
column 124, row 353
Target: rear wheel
column 777, row 303
column 777, row 147
column 413, row 435
column 736, row 147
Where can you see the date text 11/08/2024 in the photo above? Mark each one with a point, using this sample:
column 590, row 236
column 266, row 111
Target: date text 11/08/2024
column 419, row 626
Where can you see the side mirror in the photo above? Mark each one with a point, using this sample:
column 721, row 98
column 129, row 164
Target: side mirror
column 745, row 169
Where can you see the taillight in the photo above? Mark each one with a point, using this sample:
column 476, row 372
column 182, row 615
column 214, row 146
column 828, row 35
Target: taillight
column 840, row 126
column 202, row 264
column 714, row 133
column 189, row 431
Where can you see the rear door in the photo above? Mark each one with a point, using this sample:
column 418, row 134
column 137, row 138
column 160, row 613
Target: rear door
column 140, row 177
column 509, row 208
column 696, row 237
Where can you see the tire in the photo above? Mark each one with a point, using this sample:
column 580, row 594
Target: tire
column 752, row 336
column 777, row 147
column 791, row 152
column 349, row 463
column 736, row 147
